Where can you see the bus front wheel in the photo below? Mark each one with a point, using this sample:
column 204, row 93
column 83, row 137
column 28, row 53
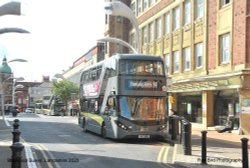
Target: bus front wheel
column 104, row 131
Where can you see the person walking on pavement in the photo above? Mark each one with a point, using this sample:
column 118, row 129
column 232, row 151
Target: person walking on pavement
column 14, row 111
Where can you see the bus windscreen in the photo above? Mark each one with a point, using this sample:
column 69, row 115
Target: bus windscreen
column 139, row 67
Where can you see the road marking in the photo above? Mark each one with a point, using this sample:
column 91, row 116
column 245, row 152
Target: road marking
column 165, row 155
column 6, row 122
column 161, row 153
column 44, row 155
column 174, row 153
column 43, row 149
column 28, row 154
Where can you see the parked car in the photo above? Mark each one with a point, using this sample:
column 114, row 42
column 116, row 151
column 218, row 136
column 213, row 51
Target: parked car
column 28, row 110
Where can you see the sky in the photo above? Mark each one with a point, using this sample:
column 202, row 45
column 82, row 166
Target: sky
column 61, row 31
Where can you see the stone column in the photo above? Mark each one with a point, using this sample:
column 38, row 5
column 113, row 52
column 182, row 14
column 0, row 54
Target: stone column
column 207, row 108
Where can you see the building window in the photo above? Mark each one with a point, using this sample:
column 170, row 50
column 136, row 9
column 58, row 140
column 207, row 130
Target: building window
column 145, row 5
column 133, row 8
column 158, row 28
column 151, row 32
column 176, row 19
column 151, row 2
column 186, row 58
column 118, row 19
column 176, row 60
column 199, row 9
column 167, row 62
column 224, row 48
column 144, row 35
column 167, row 23
column 138, row 7
column 132, row 40
column 224, row 2
column 187, row 12
column 198, row 55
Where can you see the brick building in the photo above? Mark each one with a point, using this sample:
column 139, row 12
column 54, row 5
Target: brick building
column 205, row 45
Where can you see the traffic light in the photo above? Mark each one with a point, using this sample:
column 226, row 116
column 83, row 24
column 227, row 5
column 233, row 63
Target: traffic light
column 171, row 99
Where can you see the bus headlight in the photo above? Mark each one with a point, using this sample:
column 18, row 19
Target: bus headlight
column 122, row 126
column 162, row 127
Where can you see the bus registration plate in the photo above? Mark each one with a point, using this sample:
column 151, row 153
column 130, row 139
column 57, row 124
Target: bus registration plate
column 143, row 136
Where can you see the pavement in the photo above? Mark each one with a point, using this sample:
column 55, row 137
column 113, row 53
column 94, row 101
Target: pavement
column 223, row 149
column 5, row 143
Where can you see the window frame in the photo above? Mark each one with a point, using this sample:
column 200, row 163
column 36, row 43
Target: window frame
column 151, row 32
column 176, row 61
column 224, row 48
column 224, row 3
column 159, row 28
column 187, row 12
column 187, row 59
column 199, row 9
column 167, row 63
column 176, row 18
column 167, row 23
column 199, row 55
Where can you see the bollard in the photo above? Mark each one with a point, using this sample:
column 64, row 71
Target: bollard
column 16, row 136
column 174, row 129
column 186, row 137
column 204, row 147
column 244, row 152
column 16, row 159
column 16, row 124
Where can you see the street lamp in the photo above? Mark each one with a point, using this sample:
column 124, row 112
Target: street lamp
column 118, row 41
column 10, row 8
column 118, row 8
column 13, row 30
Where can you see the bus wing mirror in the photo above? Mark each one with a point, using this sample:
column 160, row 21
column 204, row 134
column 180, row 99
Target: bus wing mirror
column 111, row 102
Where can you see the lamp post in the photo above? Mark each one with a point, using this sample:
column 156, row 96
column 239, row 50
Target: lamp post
column 118, row 41
column 1, row 86
column 118, row 8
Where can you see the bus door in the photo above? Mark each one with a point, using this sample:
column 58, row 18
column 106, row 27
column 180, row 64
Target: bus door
column 110, row 113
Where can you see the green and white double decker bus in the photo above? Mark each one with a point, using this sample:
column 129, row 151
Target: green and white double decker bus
column 124, row 97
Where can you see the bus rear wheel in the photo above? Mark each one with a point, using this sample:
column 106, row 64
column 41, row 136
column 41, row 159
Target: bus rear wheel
column 104, row 131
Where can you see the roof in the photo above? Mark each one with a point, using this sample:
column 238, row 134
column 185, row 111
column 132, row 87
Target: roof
column 4, row 68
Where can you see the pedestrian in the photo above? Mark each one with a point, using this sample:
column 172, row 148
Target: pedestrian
column 62, row 111
column 14, row 111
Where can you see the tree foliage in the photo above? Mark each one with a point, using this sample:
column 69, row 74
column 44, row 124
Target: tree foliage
column 65, row 90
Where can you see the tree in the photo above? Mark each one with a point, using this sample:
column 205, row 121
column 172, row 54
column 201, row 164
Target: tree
column 64, row 90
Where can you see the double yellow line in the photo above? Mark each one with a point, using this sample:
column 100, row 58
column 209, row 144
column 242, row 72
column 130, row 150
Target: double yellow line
column 47, row 155
column 163, row 154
